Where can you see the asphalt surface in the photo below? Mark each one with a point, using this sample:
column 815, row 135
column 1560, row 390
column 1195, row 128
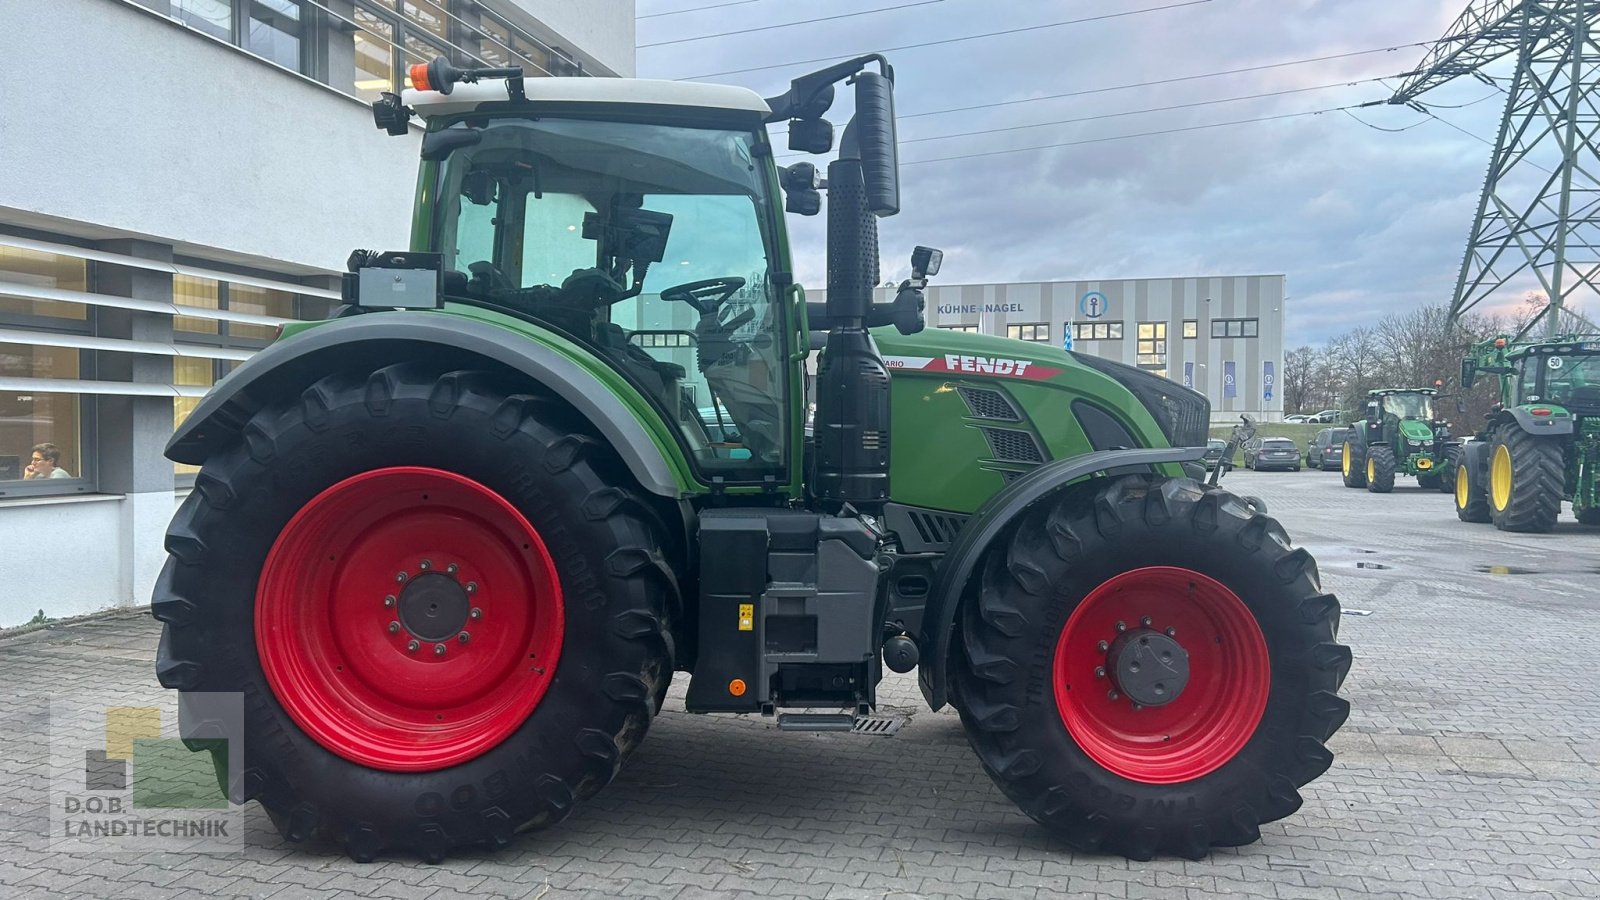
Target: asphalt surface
column 1470, row 766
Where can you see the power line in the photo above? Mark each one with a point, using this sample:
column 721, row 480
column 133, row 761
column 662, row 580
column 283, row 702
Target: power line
column 954, row 40
column 1135, row 112
column 864, row 12
column 1352, row 115
column 679, row 12
column 1124, row 137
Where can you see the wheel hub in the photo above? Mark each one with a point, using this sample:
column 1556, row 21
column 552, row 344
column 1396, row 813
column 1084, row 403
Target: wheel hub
column 1148, row 667
column 434, row 607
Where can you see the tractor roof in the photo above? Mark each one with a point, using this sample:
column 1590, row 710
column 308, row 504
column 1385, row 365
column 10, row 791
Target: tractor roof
column 1568, row 343
column 1384, row 392
column 619, row 91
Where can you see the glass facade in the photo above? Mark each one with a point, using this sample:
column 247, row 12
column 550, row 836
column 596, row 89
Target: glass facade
column 1152, row 346
column 1038, row 332
column 1096, row 331
column 29, row 419
column 1235, row 328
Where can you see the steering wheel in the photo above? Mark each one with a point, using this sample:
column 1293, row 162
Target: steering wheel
column 704, row 296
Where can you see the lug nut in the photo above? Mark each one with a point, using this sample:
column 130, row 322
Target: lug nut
column 1137, row 707
column 1121, row 627
column 452, row 568
column 1099, row 671
column 427, row 564
column 1172, row 632
column 463, row 637
column 1102, row 646
column 394, row 627
column 400, row 577
column 438, row 649
column 1145, row 621
column 476, row 613
column 1111, row 695
column 412, row 646
column 389, row 600
column 472, row 587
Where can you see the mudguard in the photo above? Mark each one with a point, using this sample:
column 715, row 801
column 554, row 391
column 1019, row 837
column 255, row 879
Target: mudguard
column 989, row 523
column 1560, row 422
column 290, row 365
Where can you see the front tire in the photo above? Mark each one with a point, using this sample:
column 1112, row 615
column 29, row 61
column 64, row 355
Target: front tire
column 1235, row 743
column 1472, row 499
column 430, row 496
column 1354, row 466
column 1526, row 481
column 1380, row 470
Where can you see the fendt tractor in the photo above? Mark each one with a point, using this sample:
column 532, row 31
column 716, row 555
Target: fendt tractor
column 1401, row 434
column 451, row 545
column 1540, row 444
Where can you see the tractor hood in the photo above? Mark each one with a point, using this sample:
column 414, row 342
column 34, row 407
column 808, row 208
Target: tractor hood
column 1416, row 430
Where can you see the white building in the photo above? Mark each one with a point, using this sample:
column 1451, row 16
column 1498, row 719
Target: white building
column 180, row 177
column 1222, row 336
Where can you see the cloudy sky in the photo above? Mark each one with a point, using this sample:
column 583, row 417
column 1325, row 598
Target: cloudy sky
column 1361, row 221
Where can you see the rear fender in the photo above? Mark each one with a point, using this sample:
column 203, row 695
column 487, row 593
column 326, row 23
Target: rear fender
column 989, row 523
column 1545, row 426
column 373, row 341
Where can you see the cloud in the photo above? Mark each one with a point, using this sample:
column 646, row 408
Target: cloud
column 1363, row 222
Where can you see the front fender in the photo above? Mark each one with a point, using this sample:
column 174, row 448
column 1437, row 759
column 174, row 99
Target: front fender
column 989, row 523
column 290, row 365
column 1558, row 423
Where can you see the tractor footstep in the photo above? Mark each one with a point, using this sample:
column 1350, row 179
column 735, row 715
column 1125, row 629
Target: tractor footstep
column 840, row 722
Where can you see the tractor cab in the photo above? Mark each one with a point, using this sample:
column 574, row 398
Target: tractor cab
column 1562, row 373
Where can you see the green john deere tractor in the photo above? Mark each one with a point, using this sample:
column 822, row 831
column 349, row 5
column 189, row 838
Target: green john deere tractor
column 451, row 545
column 1401, row 435
column 1541, row 443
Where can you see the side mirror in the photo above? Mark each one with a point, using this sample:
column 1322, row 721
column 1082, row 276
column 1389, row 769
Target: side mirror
column 1372, row 411
column 873, row 127
column 1469, row 371
column 811, row 135
column 925, row 262
column 1461, row 406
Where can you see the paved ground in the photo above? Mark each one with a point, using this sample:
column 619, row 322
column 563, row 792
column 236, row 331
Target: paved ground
column 1470, row 766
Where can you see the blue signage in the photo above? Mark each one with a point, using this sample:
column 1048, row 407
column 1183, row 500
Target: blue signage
column 1267, row 379
column 1093, row 304
column 1230, row 387
column 1188, row 374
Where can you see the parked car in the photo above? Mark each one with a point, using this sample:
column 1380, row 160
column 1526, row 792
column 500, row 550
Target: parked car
column 1264, row 453
column 1327, row 449
column 1214, row 448
column 1328, row 415
column 1298, row 419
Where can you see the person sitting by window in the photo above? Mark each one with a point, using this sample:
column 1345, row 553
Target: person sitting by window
column 46, row 463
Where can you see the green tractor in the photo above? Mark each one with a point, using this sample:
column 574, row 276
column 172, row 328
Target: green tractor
column 1401, row 435
column 451, row 545
column 1541, row 443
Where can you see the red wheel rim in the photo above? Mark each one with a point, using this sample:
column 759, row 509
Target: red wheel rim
column 1215, row 713
column 356, row 610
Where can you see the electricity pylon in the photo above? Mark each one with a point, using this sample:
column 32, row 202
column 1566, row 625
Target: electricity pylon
column 1540, row 210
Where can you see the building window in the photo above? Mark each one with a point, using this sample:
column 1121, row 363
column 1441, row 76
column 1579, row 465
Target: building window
column 967, row 329
column 1235, row 328
column 273, row 32
column 207, row 293
column 214, row 17
column 1152, row 346
column 31, row 419
column 1038, row 332
column 48, row 270
column 1191, row 328
column 189, row 372
column 1095, row 331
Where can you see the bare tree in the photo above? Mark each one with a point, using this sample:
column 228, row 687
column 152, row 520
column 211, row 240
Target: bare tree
column 1298, row 365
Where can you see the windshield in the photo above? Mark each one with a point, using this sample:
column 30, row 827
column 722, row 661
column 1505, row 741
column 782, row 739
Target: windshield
column 1277, row 443
column 1409, row 406
column 651, row 245
column 1572, row 380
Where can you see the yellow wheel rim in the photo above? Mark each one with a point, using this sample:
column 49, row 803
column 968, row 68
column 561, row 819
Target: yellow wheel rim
column 1372, row 469
column 1345, row 463
column 1461, row 487
column 1500, row 477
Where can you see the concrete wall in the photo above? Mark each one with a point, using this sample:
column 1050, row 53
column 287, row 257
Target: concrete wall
column 63, row 556
column 603, row 28
column 169, row 135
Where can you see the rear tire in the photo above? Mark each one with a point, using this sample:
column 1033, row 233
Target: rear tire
column 1027, row 680
column 1354, row 465
column 1472, row 499
column 615, row 595
column 1380, row 470
column 1447, row 468
column 1526, row 481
